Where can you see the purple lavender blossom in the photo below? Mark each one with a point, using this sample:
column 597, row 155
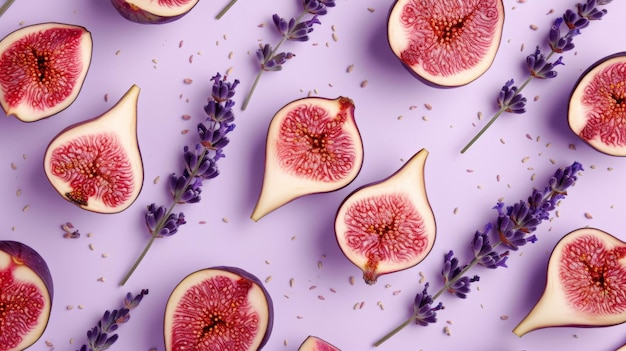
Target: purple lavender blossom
column 510, row 100
column 539, row 67
column 423, row 309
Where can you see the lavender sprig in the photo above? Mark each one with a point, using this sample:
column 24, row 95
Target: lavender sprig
column 200, row 164
column 512, row 228
column 294, row 29
column 100, row 337
column 539, row 65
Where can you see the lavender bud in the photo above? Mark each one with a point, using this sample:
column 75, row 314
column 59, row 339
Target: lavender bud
column 510, row 100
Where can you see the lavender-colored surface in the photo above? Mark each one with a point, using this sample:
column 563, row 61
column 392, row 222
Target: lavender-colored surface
column 521, row 151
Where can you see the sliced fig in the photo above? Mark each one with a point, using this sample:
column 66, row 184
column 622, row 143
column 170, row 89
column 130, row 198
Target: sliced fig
column 313, row 146
column 586, row 283
column 153, row 11
column 314, row 343
column 446, row 43
column 26, row 292
column 219, row 308
column 597, row 106
column 388, row 226
column 42, row 69
column 97, row 164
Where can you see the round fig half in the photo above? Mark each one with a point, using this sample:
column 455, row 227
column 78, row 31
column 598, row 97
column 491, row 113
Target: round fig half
column 388, row 226
column 313, row 146
column 597, row 106
column 42, row 69
column 153, row 11
column 314, row 343
column 586, row 283
column 446, row 42
column 219, row 308
column 25, row 296
column 97, row 164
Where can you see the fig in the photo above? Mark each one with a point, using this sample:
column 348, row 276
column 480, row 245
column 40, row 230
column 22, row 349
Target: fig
column 313, row 145
column 219, row 308
column 42, row 69
column 388, row 226
column 153, row 11
column 313, row 343
column 597, row 105
column 585, row 285
column 96, row 164
column 443, row 42
column 25, row 295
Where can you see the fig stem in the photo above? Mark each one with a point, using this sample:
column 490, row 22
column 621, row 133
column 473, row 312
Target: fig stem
column 6, row 6
column 225, row 9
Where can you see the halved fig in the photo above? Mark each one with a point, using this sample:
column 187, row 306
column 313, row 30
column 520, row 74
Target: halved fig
column 97, row 164
column 314, row 343
column 42, row 69
column 313, row 146
column 597, row 106
column 219, row 308
column 586, row 283
column 25, row 296
column 153, row 11
column 446, row 43
column 388, row 226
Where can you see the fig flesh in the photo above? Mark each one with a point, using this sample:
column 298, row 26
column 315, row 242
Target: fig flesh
column 314, row 343
column 388, row 226
column 446, row 42
column 219, row 308
column 586, row 283
column 313, row 145
column 153, row 11
column 597, row 106
column 96, row 164
column 42, row 69
column 26, row 296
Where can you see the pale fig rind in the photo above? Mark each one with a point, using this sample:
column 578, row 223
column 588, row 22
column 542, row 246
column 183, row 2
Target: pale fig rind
column 388, row 226
column 314, row 343
column 24, row 272
column 42, row 69
column 585, row 285
column 313, row 145
column 97, row 164
column 597, row 105
column 153, row 11
column 446, row 44
column 220, row 327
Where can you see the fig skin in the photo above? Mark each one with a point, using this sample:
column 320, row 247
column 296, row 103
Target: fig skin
column 139, row 11
column 555, row 307
column 22, row 111
column 213, row 272
column 22, row 255
column 409, row 182
column 438, row 81
column 577, row 115
column 314, row 343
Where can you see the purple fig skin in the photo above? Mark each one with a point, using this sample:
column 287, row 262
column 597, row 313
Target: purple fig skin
column 31, row 259
column 138, row 15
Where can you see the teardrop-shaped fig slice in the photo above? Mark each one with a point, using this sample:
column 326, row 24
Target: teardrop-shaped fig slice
column 586, row 283
column 597, row 106
column 153, row 11
column 219, row 308
column 446, row 43
column 42, row 69
column 97, row 164
column 25, row 296
column 314, row 343
column 388, row 226
column 313, row 146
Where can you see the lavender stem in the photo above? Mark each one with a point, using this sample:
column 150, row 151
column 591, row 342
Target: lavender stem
column 6, row 6
column 225, row 9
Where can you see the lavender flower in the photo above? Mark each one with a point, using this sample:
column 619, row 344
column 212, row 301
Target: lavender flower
column 295, row 29
column 200, row 164
column 513, row 227
column 99, row 338
column 540, row 66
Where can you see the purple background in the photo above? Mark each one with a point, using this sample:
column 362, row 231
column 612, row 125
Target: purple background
column 290, row 242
